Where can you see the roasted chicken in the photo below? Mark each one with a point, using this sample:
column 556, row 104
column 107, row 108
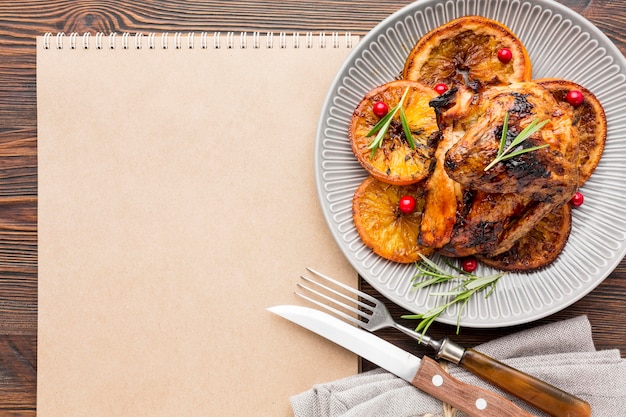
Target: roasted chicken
column 549, row 174
column 493, row 208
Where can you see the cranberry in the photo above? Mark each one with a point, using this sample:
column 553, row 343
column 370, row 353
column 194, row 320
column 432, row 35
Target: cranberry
column 505, row 55
column 469, row 264
column 407, row 204
column 578, row 199
column 441, row 88
column 575, row 98
column 380, row 108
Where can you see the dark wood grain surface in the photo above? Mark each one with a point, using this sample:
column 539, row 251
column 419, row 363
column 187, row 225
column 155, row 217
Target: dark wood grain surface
column 22, row 21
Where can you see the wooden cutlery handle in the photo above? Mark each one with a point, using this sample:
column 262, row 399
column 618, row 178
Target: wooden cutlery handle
column 473, row 401
column 542, row 395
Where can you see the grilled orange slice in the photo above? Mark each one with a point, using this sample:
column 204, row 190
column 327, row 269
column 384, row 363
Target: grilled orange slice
column 539, row 247
column 396, row 161
column 589, row 120
column 465, row 51
column 383, row 227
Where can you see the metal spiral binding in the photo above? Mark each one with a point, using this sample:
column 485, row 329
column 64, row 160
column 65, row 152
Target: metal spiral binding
column 138, row 42
column 99, row 37
column 269, row 40
column 125, row 37
column 243, row 40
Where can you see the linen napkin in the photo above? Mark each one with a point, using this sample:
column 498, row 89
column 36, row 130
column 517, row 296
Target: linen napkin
column 561, row 353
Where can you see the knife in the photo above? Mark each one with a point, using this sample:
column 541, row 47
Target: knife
column 423, row 373
column 372, row 315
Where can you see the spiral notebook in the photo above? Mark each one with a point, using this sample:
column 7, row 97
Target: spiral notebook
column 177, row 201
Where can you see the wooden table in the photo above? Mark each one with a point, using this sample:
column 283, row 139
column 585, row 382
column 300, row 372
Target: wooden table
column 25, row 19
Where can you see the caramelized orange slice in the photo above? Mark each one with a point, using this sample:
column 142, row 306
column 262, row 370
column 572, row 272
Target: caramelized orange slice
column 589, row 120
column 470, row 50
column 383, row 227
column 396, row 160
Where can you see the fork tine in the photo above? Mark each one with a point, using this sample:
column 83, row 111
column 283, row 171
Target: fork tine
column 336, row 302
column 345, row 287
column 334, row 310
column 337, row 293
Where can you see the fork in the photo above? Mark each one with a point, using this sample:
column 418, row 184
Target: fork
column 372, row 314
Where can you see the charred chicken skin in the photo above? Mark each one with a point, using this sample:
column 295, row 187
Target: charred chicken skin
column 549, row 174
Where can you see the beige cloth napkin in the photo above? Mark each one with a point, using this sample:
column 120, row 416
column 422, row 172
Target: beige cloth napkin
column 561, row 353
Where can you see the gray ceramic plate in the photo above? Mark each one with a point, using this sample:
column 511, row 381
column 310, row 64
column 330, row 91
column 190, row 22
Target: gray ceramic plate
column 561, row 44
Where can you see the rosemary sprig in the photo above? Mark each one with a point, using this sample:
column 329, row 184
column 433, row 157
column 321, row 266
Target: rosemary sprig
column 469, row 285
column 383, row 126
column 507, row 153
column 406, row 128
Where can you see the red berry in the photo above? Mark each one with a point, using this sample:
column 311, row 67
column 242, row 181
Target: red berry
column 380, row 108
column 441, row 88
column 578, row 199
column 407, row 204
column 575, row 98
column 505, row 55
column 469, row 264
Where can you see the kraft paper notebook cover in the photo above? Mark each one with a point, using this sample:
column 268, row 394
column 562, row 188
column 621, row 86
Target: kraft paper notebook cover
column 177, row 201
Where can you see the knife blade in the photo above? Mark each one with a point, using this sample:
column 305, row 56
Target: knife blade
column 423, row 373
